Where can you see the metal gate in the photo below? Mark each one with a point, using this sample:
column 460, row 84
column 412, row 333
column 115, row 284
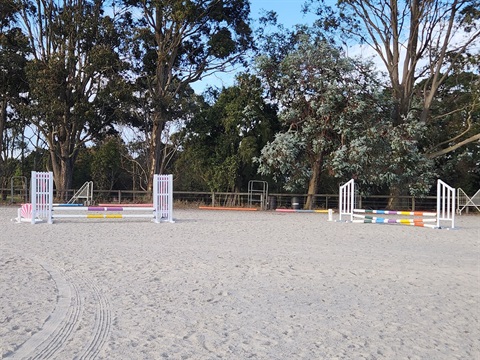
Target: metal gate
column 258, row 193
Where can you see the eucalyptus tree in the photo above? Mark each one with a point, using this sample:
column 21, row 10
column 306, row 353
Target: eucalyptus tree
column 458, row 110
column 107, row 162
column 415, row 40
column 180, row 42
column 326, row 100
column 75, row 76
column 222, row 139
column 13, row 57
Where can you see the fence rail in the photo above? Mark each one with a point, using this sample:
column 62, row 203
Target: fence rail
column 275, row 200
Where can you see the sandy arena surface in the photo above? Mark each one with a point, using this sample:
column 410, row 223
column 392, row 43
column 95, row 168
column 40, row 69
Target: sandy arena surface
column 238, row 285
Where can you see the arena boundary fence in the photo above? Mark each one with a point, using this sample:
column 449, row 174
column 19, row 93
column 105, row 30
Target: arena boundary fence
column 445, row 211
column 42, row 208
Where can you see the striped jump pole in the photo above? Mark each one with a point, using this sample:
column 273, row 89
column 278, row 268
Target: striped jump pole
column 102, row 216
column 396, row 212
column 102, row 208
column 410, row 222
column 367, row 219
column 303, row 211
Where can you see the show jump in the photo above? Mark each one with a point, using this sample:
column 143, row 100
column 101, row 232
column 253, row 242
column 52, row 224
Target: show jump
column 42, row 209
column 445, row 212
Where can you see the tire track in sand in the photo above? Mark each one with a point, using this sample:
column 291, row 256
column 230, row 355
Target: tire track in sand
column 75, row 293
column 102, row 325
column 59, row 325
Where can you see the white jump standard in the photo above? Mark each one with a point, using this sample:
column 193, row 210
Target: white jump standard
column 42, row 208
column 445, row 209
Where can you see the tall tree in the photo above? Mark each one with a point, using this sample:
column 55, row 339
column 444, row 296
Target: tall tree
column 458, row 108
column 13, row 57
column 415, row 40
column 74, row 76
column 221, row 141
column 180, row 42
column 107, row 159
column 321, row 95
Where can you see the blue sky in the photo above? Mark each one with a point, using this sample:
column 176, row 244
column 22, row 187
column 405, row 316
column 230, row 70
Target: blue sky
column 289, row 13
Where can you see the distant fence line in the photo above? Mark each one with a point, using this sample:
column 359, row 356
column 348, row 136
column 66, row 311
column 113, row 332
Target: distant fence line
column 275, row 200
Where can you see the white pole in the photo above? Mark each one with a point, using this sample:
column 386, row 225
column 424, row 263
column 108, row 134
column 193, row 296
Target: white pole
column 33, row 196
column 50, row 198
column 155, row 199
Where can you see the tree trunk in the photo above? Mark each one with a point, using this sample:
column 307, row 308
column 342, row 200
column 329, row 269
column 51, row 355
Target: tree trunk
column 62, row 160
column 155, row 160
column 3, row 121
column 397, row 201
column 314, row 182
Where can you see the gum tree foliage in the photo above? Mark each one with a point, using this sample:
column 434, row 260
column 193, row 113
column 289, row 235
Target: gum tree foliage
column 141, row 127
column 458, row 109
column 76, row 88
column 107, row 162
column 417, row 41
column 337, row 118
column 222, row 139
column 384, row 156
column 455, row 110
column 178, row 43
column 13, row 57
